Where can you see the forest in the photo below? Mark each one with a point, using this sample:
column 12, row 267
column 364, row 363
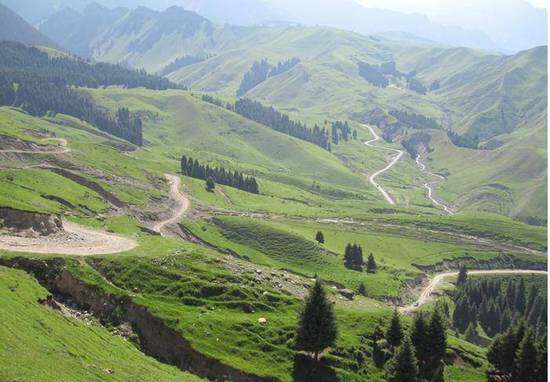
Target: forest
column 261, row 71
column 274, row 119
column 40, row 84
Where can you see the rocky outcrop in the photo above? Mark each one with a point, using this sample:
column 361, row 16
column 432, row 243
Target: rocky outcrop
column 33, row 223
column 156, row 338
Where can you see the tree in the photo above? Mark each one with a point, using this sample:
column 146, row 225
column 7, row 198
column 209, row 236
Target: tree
column 362, row 289
column 353, row 256
column 471, row 334
column 437, row 338
column 371, row 264
column 378, row 355
column 542, row 362
column 394, row 334
column 525, row 362
column 502, row 352
column 210, row 185
column 320, row 237
column 420, row 340
column 317, row 327
column 403, row 366
column 462, row 276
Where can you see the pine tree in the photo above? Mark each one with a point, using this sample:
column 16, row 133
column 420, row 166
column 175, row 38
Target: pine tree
column 403, row 366
column 462, row 276
column 421, row 342
column 378, row 355
column 394, row 334
column 317, row 327
column 541, row 374
column 320, row 237
column 371, row 264
column 210, row 185
column 525, row 362
column 437, row 340
column 471, row 334
column 362, row 289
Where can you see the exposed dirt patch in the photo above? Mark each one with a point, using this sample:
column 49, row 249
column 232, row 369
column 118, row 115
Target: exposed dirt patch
column 72, row 240
column 29, row 224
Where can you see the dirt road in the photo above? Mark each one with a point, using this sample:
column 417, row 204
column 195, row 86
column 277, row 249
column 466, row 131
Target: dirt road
column 429, row 187
column 181, row 200
column 63, row 149
column 434, row 282
column 372, row 178
column 73, row 240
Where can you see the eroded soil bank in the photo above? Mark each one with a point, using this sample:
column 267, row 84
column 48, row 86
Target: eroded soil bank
column 156, row 338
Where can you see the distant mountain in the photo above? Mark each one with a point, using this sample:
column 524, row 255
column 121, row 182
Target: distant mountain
column 75, row 30
column 14, row 28
column 243, row 12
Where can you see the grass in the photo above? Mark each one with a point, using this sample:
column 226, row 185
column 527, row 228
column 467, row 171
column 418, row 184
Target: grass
column 58, row 347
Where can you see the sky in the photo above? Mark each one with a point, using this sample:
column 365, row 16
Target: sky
column 428, row 6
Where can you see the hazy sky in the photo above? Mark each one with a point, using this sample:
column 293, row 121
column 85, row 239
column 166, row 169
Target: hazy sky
column 430, row 6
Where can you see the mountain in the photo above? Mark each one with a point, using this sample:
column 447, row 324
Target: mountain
column 485, row 100
column 14, row 28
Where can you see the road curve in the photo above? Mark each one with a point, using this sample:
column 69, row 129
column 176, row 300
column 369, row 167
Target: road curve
column 428, row 186
column 181, row 200
column 62, row 150
column 434, row 282
column 372, row 178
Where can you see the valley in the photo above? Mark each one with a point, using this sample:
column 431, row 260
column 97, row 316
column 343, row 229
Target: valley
column 175, row 226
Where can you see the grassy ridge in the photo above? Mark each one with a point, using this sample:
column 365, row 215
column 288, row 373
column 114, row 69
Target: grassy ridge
column 64, row 348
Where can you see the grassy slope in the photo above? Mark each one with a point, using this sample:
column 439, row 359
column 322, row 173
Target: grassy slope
column 64, row 348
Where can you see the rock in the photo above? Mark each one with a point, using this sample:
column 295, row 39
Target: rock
column 262, row 320
column 347, row 293
column 43, row 224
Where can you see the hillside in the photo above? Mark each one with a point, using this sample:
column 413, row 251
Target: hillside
column 488, row 102
column 14, row 28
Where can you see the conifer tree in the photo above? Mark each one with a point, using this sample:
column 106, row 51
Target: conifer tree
column 462, row 276
column 403, row 366
column 320, row 237
column 210, row 185
column 394, row 334
column 362, row 289
column 378, row 355
column 420, row 340
column 525, row 362
column 371, row 264
column 317, row 327
column 437, row 338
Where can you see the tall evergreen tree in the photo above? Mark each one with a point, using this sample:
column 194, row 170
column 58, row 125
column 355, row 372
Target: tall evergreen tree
column 462, row 276
column 421, row 341
column 437, row 338
column 320, row 237
column 403, row 366
column 371, row 264
column 394, row 334
column 525, row 362
column 317, row 327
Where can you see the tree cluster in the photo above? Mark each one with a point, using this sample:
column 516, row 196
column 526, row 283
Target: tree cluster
column 281, row 122
column 517, row 356
column 416, row 86
column 373, row 74
column 340, row 130
column 261, row 71
column 417, row 355
column 182, row 62
column 195, row 169
column 463, row 140
column 413, row 120
column 416, row 140
column 353, row 257
column 497, row 303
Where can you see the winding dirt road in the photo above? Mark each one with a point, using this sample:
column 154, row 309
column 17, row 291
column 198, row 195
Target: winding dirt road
column 63, row 149
column 434, row 282
column 428, row 186
column 181, row 200
column 372, row 178
column 73, row 240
